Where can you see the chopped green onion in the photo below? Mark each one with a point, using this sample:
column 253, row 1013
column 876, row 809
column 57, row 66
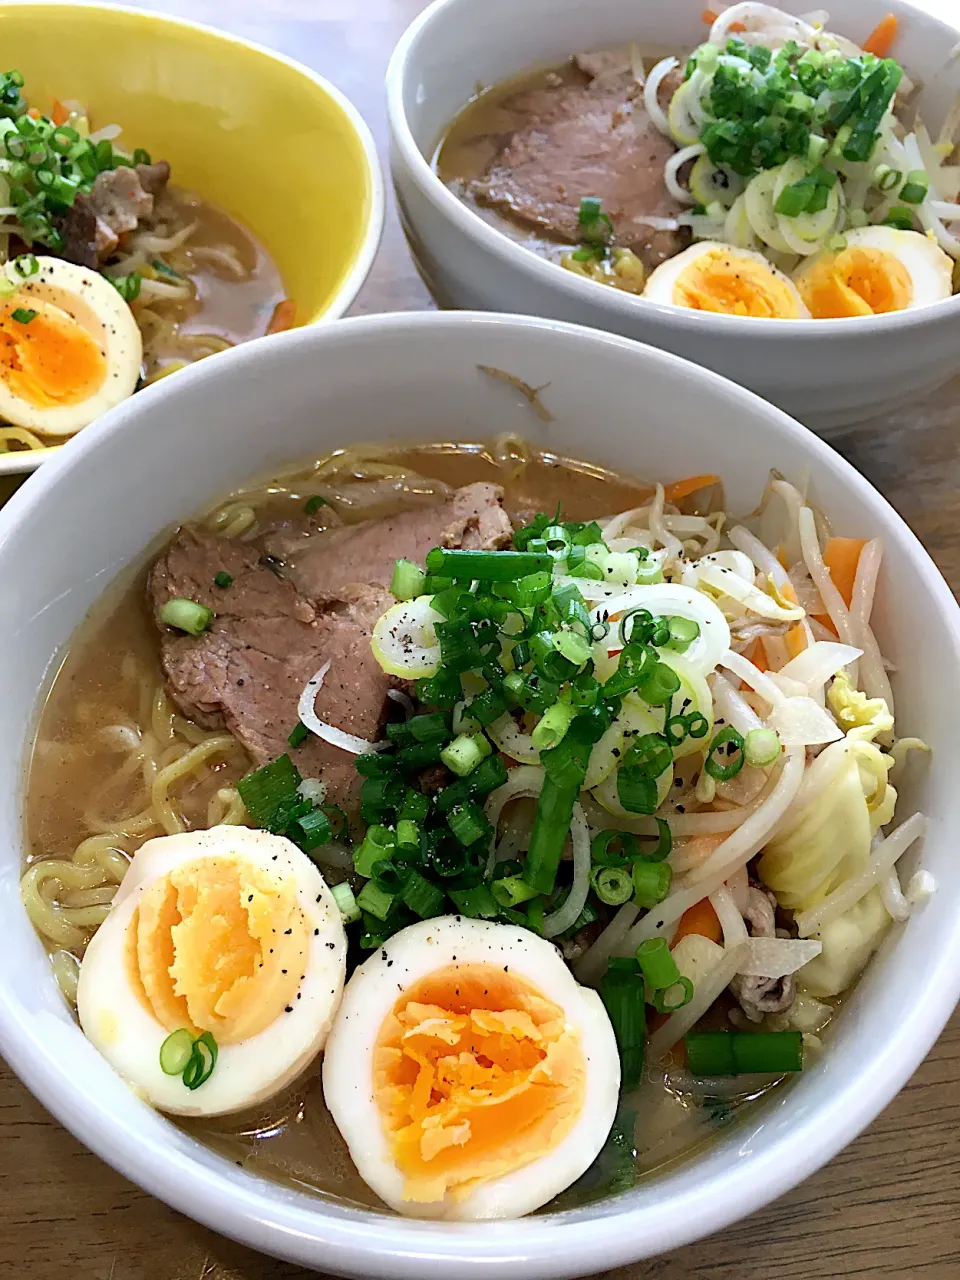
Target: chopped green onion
column 636, row 790
column 612, row 885
column 590, row 208
column 683, row 632
column 551, row 826
column 415, row 809
column 511, row 891
column 488, row 775
column 128, row 287
column 465, row 752
column 915, row 189
column 486, row 566
column 535, row 915
column 885, row 178
column 657, row 964
column 186, row 615
column 408, row 580
column 140, row 156
column 477, row 903
column 204, row 1058
column 374, row 900
column 761, row 747
column 270, row 793
column 574, row 648
column 176, row 1051
column 698, row 726
column 419, row 754
column 612, row 848
column 423, row 898
column 664, row 843
column 621, row 989
column 313, row 505
column 651, row 882
column 552, row 727
column 900, row 217
column 487, row 706
column 26, row 265
column 674, row 997
column 310, row 830
column 222, row 580
column 347, row 903
column 298, row 734
column 468, row 823
column 378, row 843
column 731, row 1053
column 658, row 684
column 429, row 728
column 727, row 737
column 23, row 315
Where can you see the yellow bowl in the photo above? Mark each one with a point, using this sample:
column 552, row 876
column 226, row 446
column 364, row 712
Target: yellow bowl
column 259, row 135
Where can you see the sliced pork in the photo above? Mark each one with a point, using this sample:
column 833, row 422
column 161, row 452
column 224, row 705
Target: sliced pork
column 246, row 673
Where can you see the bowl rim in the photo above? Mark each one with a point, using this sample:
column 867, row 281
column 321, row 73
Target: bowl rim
column 357, row 1242
column 22, row 462
column 620, row 306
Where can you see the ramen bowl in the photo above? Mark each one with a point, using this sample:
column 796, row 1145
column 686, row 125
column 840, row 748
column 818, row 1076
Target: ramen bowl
column 262, row 137
column 828, row 373
column 145, row 467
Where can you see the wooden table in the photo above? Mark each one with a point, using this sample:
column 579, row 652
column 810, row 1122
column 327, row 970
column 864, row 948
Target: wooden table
column 888, row 1206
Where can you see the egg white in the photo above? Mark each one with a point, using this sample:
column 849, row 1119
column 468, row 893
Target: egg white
column 116, row 1021
column 97, row 307
column 929, row 268
column 370, row 995
column 662, row 281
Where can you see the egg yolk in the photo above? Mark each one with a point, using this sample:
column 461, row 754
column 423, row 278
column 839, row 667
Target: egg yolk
column 858, row 281
column 735, row 286
column 218, row 944
column 475, row 1075
column 48, row 358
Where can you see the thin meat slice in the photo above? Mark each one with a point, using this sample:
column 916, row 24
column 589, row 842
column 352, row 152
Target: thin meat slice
column 246, row 673
column 321, row 561
column 579, row 140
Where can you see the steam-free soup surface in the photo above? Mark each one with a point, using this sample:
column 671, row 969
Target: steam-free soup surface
column 89, row 787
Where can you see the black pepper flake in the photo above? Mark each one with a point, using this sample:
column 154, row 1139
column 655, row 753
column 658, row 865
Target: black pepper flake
column 287, row 932
column 283, row 971
column 250, row 897
column 316, row 932
column 681, row 809
column 331, row 945
column 288, row 1008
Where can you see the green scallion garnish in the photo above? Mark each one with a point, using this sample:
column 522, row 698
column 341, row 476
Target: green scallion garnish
column 23, row 315
column 186, row 615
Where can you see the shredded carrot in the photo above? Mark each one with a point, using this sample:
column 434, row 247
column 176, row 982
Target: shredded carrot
column 841, row 556
column 60, row 113
column 284, row 315
column 737, row 26
column 700, row 918
column 795, row 640
column 683, row 488
column 782, row 556
column 709, row 17
column 882, row 36
column 33, row 113
column 757, row 654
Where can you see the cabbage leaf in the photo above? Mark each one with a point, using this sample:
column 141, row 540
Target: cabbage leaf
column 848, row 943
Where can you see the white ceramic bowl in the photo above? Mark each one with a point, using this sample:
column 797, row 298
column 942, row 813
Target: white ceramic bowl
column 172, row 451
column 826, row 372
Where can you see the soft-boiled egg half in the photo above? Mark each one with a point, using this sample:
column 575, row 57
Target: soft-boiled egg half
column 228, row 931
column 70, row 348
column 710, row 276
column 469, row 1073
column 881, row 269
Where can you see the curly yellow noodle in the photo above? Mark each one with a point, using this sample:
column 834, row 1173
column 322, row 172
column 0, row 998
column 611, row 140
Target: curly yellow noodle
column 163, row 806
column 21, row 436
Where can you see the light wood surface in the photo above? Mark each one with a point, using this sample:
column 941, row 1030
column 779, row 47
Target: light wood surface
column 887, row 1207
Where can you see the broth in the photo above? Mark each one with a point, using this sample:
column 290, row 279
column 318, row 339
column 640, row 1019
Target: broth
column 106, row 702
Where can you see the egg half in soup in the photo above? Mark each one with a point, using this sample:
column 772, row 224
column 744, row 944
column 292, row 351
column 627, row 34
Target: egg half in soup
column 469, row 1073
column 229, row 932
column 719, row 278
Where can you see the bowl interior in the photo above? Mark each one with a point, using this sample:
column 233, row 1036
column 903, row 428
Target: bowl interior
column 460, row 45
column 616, row 403
column 248, row 130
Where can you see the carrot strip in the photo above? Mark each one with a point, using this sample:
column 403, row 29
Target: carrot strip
column 795, row 640
column 882, row 36
column 700, row 918
column 284, row 316
column 709, row 17
column 683, row 488
column 738, row 26
column 841, row 556
column 33, row 113
column 757, row 654
column 60, row 113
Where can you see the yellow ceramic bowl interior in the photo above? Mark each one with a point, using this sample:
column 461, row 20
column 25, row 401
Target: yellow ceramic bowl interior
column 248, row 130
column 259, row 136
